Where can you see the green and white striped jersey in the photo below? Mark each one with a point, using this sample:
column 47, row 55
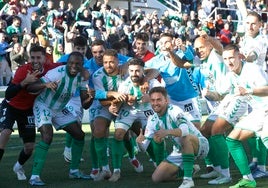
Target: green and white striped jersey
column 67, row 86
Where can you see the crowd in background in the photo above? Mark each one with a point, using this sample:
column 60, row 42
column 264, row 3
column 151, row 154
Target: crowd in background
column 52, row 26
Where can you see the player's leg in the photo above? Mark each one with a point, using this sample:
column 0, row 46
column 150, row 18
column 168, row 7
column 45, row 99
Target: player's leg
column 101, row 126
column 117, row 152
column 26, row 127
column 237, row 151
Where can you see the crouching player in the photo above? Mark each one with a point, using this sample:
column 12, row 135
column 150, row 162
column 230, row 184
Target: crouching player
column 168, row 122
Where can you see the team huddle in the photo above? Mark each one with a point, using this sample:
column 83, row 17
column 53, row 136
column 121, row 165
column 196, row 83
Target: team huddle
column 151, row 101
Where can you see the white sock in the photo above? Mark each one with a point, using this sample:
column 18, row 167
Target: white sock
column 73, row 170
column 226, row 172
column 17, row 165
column 34, row 176
column 68, row 149
column 106, row 168
column 117, row 170
column 248, row 177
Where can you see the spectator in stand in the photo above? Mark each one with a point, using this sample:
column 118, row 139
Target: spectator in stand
column 15, row 28
column 229, row 20
column 69, row 14
column 219, row 24
column 140, row 49
column 225, row 35
column 18, row 56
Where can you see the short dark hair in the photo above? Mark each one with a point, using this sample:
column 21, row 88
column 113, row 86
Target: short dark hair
column 80, row 41
column 110, row 52
column 136, row 61
column 255, row 14
column 166, row 35
column 76, row 54
column 37, row 48
column 158, row 89
column 231, row 47
column 98, row 42
column 142, row 36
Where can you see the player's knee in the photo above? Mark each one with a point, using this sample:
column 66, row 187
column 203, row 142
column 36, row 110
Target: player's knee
column 155, row 178
column 119, row 135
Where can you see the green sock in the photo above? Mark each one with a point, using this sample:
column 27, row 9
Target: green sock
column 159, row 151
column 150, row 151
column 188, row 163
column 130, row 148
column 208, row 160
column 68, row 140
column 239, row 155
column 265, row 142
column 101, row 150
column 220, row 156
column 93, row 153
column 77, row 149
column 40, row 154
column 253, row 147
column 261, row 153
column 117, row 152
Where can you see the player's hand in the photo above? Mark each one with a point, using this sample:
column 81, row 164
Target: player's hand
column 30, row 78
column 144, row 87
column 141, row 137
column 52, row 85
column 90, row 92
column 160, row 134
column 114, row 108
column 120, row 97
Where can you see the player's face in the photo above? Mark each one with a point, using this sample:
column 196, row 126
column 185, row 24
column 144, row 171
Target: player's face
column 141, row 46
column 97, row 52
column 81, row 49
column 252, row 25
column 74, row 65
column 232, row 60
column 159, row 103
column 37, row 60
column 202, row 48
column 164, row 42
column 110, row 65
column 136, row 73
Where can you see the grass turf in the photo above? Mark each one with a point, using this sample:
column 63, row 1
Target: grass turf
column 55, row 172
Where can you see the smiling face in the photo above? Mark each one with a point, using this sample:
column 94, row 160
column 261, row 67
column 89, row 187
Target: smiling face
column 136, row 73
column 37, row 60
column 159, row 102
column 232, row 60
column 110, row 65
column 74, row 64
column 202, row 48
column 253, row 25
column 97, row 52
column 141, row 46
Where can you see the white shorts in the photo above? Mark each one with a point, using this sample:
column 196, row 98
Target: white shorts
column 175, row 157
column 231, row 109
column 45, row 116
column 127, row 116
column 190, row 107
column 256, row 121
column 74, row 106
column 101, row 111
column 93, row 110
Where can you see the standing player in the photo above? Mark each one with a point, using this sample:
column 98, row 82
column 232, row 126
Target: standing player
column 168, row 122
column 57, row 88
column 136, row 107
column 253, row 48
column 18, row 106
column 176, row 78
column 232, row 107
